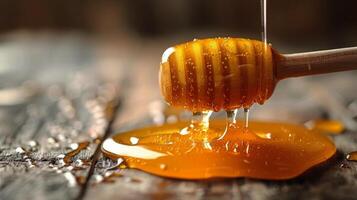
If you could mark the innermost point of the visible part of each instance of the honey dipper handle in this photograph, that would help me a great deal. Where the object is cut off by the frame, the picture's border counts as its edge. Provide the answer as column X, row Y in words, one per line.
column 317, row 62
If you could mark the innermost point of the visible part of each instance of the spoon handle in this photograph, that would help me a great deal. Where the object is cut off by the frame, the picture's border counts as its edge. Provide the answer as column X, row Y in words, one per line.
column 317, row 62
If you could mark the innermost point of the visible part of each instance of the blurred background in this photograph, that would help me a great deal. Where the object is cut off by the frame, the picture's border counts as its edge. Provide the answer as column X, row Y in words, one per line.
column 121, row 41
column 294, row 23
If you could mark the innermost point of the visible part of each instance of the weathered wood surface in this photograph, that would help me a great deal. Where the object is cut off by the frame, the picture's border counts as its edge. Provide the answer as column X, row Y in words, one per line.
column 71, row 98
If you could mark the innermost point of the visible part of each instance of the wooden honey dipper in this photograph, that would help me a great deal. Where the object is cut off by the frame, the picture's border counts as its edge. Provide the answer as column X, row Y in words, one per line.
column 229, row 73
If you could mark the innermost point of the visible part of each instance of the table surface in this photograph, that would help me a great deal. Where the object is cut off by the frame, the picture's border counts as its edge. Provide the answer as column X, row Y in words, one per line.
column 57, row 91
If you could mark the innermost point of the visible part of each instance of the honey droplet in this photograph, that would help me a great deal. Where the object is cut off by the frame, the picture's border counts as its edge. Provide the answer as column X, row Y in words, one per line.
column 76, row 148
column 265, row 150
column 352, row 156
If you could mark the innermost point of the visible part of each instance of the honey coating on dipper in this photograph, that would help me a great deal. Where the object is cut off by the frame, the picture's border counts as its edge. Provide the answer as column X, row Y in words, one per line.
column 218, row 73
column 272, row 151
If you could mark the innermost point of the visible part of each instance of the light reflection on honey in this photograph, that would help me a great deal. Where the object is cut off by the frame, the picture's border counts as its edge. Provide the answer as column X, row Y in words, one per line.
column 326, row 126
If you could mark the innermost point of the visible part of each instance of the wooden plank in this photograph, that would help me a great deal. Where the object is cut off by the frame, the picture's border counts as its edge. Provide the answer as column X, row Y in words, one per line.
column 70, row 105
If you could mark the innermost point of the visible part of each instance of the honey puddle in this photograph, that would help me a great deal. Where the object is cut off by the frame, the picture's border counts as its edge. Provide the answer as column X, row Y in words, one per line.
column 265, row 150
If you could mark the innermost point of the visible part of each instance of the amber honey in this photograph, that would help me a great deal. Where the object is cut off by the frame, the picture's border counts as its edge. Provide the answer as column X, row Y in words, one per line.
column 265, row 151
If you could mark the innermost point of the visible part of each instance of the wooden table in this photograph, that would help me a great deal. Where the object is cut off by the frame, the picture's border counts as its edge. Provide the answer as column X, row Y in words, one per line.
column 61, row 90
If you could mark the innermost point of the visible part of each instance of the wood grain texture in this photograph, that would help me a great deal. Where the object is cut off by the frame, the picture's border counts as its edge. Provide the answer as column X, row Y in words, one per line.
column 62, row 109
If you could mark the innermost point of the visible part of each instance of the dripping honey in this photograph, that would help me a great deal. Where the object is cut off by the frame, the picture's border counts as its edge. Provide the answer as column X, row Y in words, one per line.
column 265, row 150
